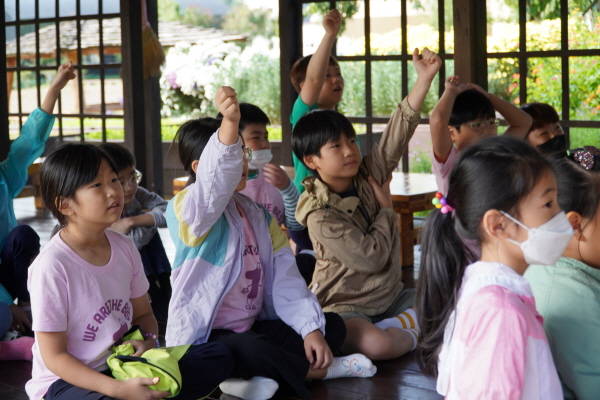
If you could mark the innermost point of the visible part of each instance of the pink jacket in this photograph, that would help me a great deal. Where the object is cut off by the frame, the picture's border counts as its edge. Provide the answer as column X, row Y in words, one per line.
column 494, row 344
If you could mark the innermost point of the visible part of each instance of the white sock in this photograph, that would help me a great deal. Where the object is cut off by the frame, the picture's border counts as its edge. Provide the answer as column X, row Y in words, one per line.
column 414, row 334
column 352, row 366
column 257, row 388
column 406, row 320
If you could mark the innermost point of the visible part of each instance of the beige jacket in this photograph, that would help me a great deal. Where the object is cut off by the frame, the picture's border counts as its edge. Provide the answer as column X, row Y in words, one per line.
column 356, row 242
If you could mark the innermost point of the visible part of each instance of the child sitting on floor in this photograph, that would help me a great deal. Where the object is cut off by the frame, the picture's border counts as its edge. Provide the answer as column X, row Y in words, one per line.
column 464, row 115
column 270, row 186
column 235, row 280
column 480, row 332
column 19, row 244
column 567, row 292
column 352, row 225
column 88, row 288
column 545, row 133
column 143, row 214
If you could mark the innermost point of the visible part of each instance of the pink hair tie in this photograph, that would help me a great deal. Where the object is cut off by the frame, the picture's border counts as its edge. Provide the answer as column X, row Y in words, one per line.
column 440, row 201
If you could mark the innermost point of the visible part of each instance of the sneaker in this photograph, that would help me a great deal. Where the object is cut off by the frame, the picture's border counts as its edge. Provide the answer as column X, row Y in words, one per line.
column 10, row 335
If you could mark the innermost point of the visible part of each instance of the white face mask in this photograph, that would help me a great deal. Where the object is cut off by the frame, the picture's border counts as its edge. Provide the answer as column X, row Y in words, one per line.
column 546, row 243
column 260, row 158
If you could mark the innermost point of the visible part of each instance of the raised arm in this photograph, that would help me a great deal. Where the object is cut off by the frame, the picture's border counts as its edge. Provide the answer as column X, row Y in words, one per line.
column 227, row 103
column 317, row 67
column 64, row 74
column 440, row 118
column 518, row 120
column 427, row 67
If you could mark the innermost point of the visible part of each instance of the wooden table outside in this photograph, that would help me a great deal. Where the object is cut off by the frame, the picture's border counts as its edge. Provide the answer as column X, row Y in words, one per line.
column 411, row 192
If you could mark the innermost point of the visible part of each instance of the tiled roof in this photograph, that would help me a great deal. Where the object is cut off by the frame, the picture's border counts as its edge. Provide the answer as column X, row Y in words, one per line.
column 170, row 33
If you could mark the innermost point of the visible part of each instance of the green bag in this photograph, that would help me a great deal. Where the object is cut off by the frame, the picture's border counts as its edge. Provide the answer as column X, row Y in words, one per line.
column 162, row 362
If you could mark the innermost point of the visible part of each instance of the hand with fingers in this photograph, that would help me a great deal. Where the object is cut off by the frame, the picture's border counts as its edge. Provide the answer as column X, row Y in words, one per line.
column 276, row 176
column 427, row 64
column 227, row 103
column 332, row 22
column 317, row 350
column 453, row 85
column 137, row 389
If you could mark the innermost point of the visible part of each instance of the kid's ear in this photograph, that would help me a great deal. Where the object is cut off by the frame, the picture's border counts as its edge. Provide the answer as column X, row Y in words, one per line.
column 64, row 206
column 453, row 133
column 575, row 219
column 301, row 85
column 195, row 165
column 310, row 162
column 494, row 224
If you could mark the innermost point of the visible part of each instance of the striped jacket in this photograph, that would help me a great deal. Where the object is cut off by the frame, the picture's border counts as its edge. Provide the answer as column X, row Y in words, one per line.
column 208, row 235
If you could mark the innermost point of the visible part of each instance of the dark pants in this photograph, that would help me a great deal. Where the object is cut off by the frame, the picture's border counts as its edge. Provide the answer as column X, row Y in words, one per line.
column 202, row 368
column 21, row 247
column 158, row 270
column 274, row 350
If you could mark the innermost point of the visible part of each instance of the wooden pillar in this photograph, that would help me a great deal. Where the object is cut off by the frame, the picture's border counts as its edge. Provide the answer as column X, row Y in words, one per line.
column 470, row 44
column 290, row 45
column 141, row 100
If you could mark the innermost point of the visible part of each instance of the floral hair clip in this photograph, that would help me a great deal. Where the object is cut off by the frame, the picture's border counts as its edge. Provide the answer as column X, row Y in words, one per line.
column 440, row 201
column 585, row 156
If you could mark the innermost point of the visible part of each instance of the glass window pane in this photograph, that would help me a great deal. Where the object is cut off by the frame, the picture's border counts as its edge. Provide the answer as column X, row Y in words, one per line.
column 68, row 8
column 70, row 96
column 351, row 40
column 89, row 7
column 584, row 85
column 10, row 11
column 91, row 91
column 111, row 38
column 353, row 101
column 90, row 42
column 26, row 9
column 419, row 150
column 47, row 9
column 543, row 27
column 423, row 26
column 110, row 6
column 13, row 127
column 113, row 94
column 386, row 35
column 502, row 26
column 93, row 129
column 386, row 87
column 584, row 29
column 544, row 83
column 115, row 129
column 71, row 128
column 28, row 45
column 48, row 44
column 503, row 78
column 13, row 103
column 449, row 26
column 28, row 91
column 580, row 137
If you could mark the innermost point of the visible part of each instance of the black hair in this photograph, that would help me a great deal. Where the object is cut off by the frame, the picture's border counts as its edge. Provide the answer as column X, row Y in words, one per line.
column 513, row 168
column 541, row 113
column 315, row 129
column 65, row 170
column 193, row 136
column 578, row 187
column 298, row 71
column 250, row 114
column 470, row 105
column 120, row 156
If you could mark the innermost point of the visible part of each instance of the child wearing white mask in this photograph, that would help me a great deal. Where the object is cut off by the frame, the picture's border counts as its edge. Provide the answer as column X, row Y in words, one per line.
column 270, row 186
column 481, row 335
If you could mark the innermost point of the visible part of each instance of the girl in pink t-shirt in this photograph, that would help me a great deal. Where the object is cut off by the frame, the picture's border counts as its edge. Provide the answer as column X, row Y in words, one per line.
column 480, row 332
column 88, row 288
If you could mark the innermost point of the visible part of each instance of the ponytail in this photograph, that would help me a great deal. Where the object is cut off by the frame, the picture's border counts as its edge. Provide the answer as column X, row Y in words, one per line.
column 446, row 258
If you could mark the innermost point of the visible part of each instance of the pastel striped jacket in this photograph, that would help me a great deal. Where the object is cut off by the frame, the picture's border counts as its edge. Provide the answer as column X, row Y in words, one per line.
column 494, row 344
column 208, row 235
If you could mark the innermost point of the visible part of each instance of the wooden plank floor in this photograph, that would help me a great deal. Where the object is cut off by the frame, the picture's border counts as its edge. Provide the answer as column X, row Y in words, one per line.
column 398, row 379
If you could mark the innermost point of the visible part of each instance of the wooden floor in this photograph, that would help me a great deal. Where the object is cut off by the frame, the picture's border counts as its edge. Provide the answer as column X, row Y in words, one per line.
column 398, row 379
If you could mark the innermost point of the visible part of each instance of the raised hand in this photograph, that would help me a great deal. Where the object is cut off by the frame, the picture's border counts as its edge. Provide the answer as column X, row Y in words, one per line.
column 428, row 65
column 453, row 85
column 332, row 22
column 227, row 103
column 276, row 176
column 64, row 74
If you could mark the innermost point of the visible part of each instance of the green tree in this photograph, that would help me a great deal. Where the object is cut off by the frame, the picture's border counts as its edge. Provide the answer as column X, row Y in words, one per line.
column 197, row 16
column 538, row 10
column 168, row 10
column 258, row 22
column 346, row 8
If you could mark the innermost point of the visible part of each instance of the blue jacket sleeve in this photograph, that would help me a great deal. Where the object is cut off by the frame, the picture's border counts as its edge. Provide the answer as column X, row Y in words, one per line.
column 25, row 149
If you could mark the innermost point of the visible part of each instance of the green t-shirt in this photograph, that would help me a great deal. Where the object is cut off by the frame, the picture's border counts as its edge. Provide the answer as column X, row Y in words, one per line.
column 300, row 171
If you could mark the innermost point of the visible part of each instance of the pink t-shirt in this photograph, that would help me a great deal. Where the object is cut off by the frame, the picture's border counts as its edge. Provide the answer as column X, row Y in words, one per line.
column 243, row 302
column 442, row 170
column 266, row 195
column 90, row 303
